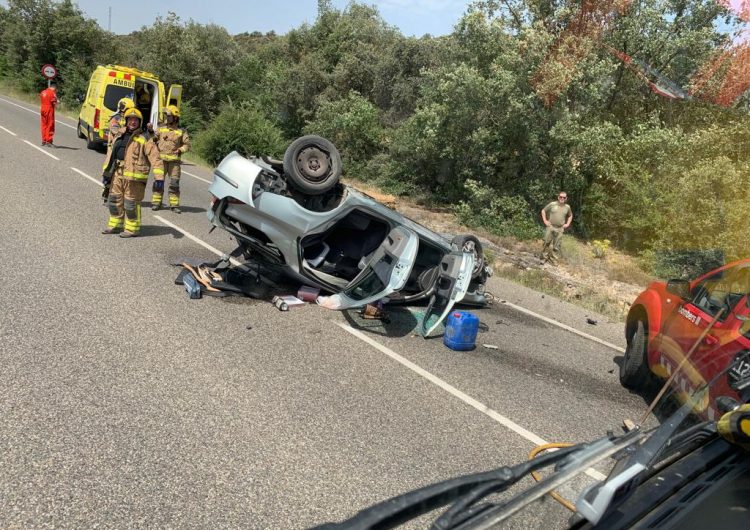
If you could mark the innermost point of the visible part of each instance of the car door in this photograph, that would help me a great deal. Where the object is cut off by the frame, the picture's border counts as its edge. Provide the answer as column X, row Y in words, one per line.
column 450, row 288
column 386, row 271
column 717, row 295
column 174, row 96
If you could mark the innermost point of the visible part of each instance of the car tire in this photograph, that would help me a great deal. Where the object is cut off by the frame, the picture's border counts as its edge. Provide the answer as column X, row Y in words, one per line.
column 90, row 141
column 634, row 371
column 312, row 164
column 80, row 134
column 470, row 243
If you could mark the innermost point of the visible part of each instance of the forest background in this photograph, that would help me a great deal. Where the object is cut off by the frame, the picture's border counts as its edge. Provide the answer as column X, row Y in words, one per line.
column 522, row 99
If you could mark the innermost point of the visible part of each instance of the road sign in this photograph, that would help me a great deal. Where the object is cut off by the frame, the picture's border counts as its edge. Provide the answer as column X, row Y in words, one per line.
column 49, row 71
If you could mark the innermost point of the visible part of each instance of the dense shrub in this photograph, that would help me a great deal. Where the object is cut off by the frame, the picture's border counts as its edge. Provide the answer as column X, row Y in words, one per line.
column 504, row 215
column 353, row 125
column 242, row 128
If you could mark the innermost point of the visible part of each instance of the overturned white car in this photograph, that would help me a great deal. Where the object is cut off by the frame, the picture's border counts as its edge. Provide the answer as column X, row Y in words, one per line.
column 295, row 214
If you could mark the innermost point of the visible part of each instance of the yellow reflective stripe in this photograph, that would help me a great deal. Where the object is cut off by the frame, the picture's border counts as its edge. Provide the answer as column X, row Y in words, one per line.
column 177, row 132
column 158, row 171
column 169, row 157
column 136, row 176
column 140, row 140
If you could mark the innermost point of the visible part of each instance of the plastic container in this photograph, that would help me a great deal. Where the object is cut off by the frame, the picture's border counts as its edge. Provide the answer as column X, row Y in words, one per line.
column 461, row 330
column 192, row 286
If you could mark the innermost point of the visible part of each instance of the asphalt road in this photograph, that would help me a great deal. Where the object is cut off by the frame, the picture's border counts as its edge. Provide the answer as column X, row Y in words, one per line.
column 125, row 404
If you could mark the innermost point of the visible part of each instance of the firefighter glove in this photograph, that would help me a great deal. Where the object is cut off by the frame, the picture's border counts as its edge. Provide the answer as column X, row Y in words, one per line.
column 106, row 180
column 158, row 185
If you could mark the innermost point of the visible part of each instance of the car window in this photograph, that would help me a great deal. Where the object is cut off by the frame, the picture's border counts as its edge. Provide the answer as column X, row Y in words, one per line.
column 368, row 286
column 722, row 290
column 114, row 94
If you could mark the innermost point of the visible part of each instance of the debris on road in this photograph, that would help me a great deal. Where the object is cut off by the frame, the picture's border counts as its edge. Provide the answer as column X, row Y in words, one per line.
column 191, row 286
column 221, row 279
column 374, row 312
column 591, row 321
column 491, row 346
column 286, row 302
column 461, row 330
column 308, row 294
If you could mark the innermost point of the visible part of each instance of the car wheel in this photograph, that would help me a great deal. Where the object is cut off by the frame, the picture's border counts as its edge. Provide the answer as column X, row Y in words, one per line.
column 634, row 371
column 80, row 134
column 90, row 141
column 469, row 243
column 312, row 164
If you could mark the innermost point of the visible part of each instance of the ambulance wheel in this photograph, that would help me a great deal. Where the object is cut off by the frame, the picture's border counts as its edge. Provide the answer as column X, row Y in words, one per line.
column 80, row 134
column 91, row 141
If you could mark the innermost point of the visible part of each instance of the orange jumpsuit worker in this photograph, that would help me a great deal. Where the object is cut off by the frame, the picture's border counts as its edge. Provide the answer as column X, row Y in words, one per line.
column 48, row 97
column 129, row 161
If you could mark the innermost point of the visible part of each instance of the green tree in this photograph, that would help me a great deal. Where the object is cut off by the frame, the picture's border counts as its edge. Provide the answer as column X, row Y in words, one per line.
column 242, row 128
column 194, row 55
column 353, row 125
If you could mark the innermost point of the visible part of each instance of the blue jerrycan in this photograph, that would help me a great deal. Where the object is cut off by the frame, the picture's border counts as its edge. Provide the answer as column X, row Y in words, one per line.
column 461, row 330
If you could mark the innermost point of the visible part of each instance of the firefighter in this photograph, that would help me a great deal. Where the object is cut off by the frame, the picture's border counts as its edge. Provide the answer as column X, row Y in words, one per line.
column 48, row 98
column 117, row 119
column 173, row 141
column 115, row 124
column 127, row 166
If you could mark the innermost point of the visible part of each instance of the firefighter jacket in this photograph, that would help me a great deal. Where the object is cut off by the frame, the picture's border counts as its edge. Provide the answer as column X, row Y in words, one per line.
column 173, row 142
column 141, row 156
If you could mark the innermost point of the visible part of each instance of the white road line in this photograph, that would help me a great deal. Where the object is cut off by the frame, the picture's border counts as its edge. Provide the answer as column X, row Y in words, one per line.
column 564, row 326
column 35, row 112
column 8, row 131
column 197, row 177
column 41, row 150
column 481, row 407
column 92, row 179
column 197, row 240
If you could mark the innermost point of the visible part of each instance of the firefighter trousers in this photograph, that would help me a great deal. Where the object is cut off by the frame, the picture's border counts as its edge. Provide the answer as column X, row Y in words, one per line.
column 173, row 172
column 124, row 202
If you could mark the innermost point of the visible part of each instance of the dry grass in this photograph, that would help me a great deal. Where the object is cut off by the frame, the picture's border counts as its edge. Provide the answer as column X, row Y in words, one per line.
column 626, row 270
column 611, row 307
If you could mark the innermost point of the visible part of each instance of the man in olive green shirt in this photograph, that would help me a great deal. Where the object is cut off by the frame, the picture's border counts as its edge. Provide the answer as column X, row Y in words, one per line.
column 556, row 216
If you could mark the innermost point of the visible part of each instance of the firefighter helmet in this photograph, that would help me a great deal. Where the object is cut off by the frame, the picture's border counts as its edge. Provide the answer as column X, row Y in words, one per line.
column 172, row 110
column 125, row 104
column 133, row 113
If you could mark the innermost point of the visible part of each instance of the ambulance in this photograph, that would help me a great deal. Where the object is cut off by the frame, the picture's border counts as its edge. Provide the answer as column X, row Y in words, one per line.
column 108, row 85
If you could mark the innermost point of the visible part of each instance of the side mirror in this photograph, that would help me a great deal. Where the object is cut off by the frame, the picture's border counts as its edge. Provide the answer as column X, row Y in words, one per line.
column 679, row 288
